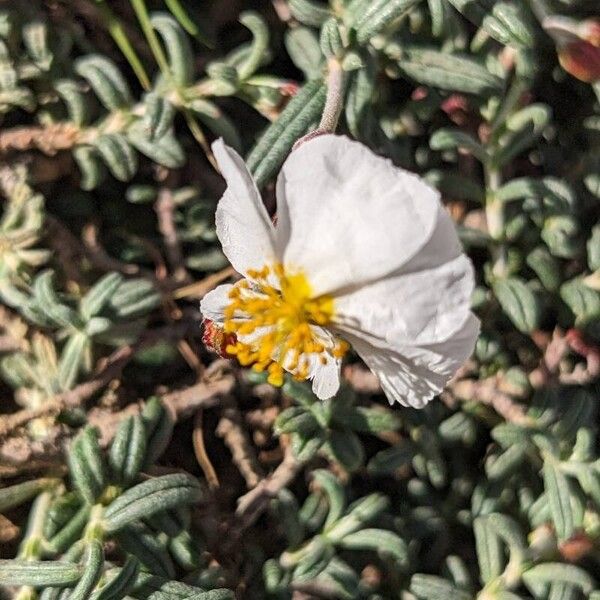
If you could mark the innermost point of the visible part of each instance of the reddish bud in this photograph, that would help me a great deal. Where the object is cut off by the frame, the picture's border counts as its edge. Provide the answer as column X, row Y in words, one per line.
column 578, row 44
column 576, row 547
column 215, row 338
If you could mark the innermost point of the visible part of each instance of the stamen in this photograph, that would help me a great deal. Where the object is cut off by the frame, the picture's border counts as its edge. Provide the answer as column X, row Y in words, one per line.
column 276, row 310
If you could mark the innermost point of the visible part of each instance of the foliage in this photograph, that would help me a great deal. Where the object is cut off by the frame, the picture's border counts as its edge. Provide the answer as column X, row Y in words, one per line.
column 107, row 242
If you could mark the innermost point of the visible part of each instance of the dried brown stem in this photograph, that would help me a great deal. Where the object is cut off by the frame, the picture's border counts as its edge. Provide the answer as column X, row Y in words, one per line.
column 487, row 392
column 231, row 429
column 251, row 505
column 165, row 211
column 49, row 139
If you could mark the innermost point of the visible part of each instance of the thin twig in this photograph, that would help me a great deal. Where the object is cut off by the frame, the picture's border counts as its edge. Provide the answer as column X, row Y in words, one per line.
column 231, row 429
column 200, row 451
column 251, row 505
column 165, row 212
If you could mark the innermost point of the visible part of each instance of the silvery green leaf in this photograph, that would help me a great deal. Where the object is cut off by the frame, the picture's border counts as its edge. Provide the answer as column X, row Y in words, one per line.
column 38, row 573
column 106, row 80
column 149, row 497
column 73, row 97
column 559, row 499
column 334, row 492
column 445, row 71
column 91, row 166
column 381, row 541
column 273, row 146
column 177, row 45
column 158, row 115
column 379, row 15
column 119, row 585
column 582, row 300
column 431, row 587
column 302, row 44
column 310, row 12
column 260, row 43
column 93, row 563
column 97, row 296
column 449, row 139
column 519, row 303
column 559, row 572
column 148, row 548
column 118, row 155
column 128, row 450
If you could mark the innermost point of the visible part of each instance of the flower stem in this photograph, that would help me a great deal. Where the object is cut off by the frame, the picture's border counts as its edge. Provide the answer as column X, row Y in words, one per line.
column 335, row 97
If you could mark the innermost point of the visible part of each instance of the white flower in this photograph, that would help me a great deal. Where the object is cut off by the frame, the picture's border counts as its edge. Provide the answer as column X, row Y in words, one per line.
column 363, row 254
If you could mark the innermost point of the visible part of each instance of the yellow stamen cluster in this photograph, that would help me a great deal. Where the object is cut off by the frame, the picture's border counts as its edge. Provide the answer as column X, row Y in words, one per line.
column 276, row 310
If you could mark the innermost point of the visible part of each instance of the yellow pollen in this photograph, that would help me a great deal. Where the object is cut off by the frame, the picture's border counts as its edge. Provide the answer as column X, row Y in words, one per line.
column 276, row 310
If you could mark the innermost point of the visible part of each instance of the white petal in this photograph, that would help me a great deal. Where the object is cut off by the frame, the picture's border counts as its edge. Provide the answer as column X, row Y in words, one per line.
column 243, row 225
column 414, row 375
column 350, row 215
column 410, row 308
column 326, row 379
column 212, row 305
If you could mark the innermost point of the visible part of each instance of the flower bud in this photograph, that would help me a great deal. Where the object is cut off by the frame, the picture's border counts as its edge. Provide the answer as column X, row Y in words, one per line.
column 578, row 44
column 215, row 338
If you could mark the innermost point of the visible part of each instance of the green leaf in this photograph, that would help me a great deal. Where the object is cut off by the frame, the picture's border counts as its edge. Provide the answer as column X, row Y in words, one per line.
column 276, row 142
column 359, row 97
column 381, row 541
column 582, row 300
column 166, row 151
column 546, row 267
column 93, row 564
column 489, row 550
column 450, row 139
column 38, row 574
column 14, row 495
column 387, row 461
column 559, row 499
column 359, row 513
column 133, row 298
column 309, row 12
column 158, row 116
column 445, row 71
column 158, row 423
column 379, row 15
column 260, row 44
column 454, row 185
column 519, row 303
column 128, row 450
column 334, row 492
column 148, row 548
column 303, row 47
column 346, row 448
column 430, row 587
column 86, row 465
column 593, row 249
column 106, row 81
column 561, row 573
column 98, row 295
column 177, row 45
column 118, row 155
column 149, row 497
column 72, row 359
column 123, row 581
column 76, row 102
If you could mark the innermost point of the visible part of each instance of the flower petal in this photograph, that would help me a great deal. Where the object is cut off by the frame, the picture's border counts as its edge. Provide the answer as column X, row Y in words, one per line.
column 414, row 375
column 212, row 305
column 326, row 379
column 410, row 308
column 347, row 216
column 243, row 225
